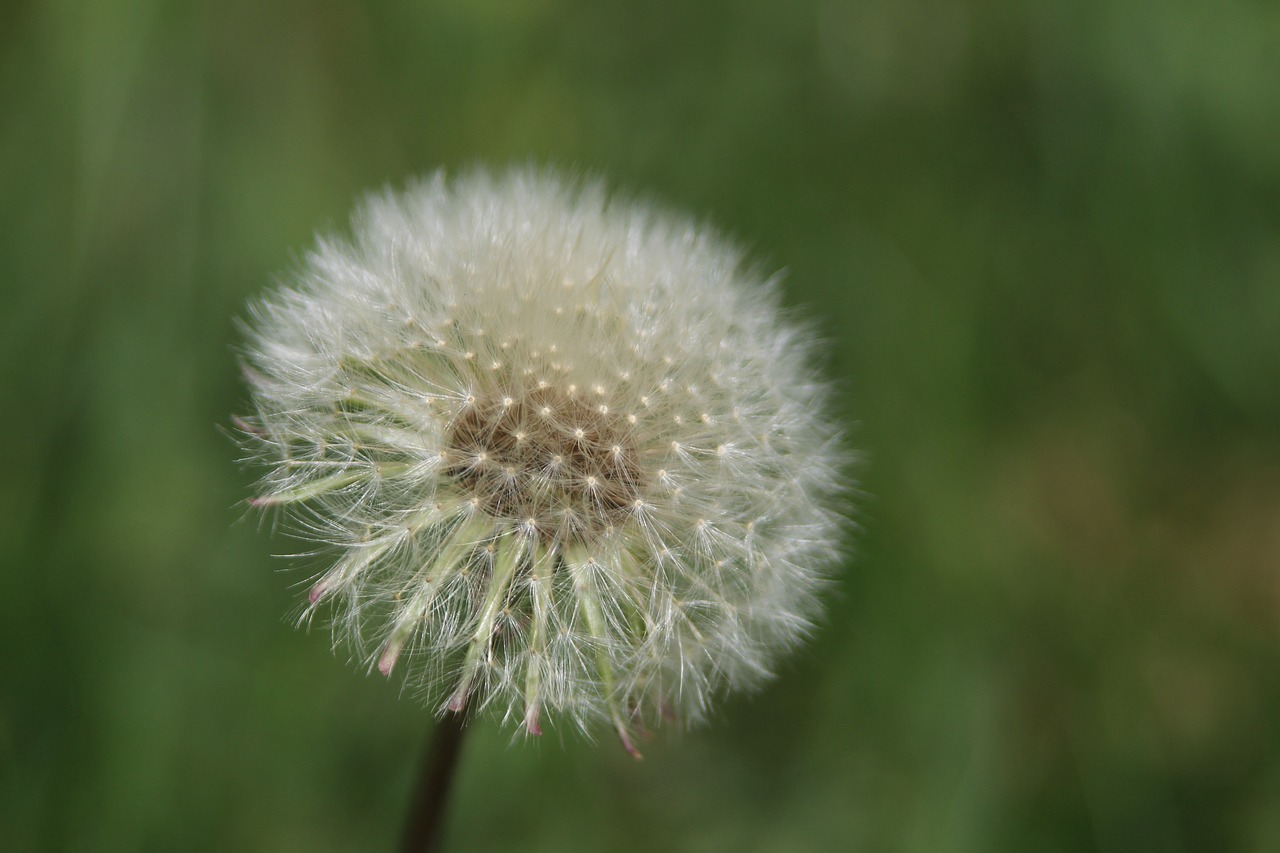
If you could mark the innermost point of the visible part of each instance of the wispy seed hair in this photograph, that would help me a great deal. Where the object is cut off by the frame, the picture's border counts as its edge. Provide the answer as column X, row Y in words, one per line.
column 571, row 459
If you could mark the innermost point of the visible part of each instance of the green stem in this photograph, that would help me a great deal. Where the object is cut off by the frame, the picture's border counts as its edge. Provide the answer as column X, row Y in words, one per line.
column 543, row 568
column 507, row 553
column 595, row 624
column 455, row 552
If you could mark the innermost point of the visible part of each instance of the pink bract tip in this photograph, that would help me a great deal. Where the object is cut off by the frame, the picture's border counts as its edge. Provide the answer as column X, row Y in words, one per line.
column 628, row 745
column 389, row 657
column 244, row 426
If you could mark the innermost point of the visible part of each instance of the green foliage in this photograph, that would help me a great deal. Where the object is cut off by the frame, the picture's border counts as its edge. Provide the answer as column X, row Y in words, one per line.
column 1044, row 239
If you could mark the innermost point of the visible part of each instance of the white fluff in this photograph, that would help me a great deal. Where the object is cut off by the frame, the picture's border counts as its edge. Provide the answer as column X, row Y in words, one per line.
column 572, row 460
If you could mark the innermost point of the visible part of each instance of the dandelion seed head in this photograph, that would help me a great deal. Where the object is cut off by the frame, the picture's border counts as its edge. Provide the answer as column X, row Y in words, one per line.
column 572, row 461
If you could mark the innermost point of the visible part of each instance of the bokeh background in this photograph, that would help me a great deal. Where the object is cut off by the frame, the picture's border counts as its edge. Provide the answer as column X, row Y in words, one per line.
column 1043, row 239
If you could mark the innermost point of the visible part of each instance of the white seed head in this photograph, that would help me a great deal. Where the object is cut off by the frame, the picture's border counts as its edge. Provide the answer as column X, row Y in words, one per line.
column 505, row 527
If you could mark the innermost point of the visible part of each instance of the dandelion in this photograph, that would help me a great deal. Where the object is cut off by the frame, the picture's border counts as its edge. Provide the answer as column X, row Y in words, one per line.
column 571, row 461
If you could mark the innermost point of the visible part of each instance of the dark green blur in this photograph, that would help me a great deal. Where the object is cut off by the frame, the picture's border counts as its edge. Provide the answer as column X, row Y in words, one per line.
column 1042, row 238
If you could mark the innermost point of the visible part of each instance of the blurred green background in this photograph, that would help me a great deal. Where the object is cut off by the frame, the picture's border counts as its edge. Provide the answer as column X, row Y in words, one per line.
column 1043, row 238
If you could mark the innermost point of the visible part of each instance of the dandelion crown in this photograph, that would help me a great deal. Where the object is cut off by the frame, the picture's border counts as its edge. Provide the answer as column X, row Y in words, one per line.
column 570, row 460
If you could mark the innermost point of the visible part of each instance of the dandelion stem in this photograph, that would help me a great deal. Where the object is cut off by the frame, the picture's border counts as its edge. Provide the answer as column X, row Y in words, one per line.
column 424, row 821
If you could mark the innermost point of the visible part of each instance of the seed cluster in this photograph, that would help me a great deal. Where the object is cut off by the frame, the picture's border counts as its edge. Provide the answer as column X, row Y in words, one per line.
column 573, row 463
column 548, row 461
